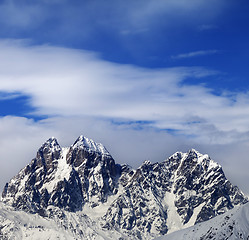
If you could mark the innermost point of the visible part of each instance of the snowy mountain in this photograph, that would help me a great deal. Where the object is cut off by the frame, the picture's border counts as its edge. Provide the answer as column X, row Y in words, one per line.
column 81, row 187
column 231, row 225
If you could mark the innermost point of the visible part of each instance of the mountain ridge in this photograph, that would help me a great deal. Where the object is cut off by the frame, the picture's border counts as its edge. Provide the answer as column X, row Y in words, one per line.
column 152, row 200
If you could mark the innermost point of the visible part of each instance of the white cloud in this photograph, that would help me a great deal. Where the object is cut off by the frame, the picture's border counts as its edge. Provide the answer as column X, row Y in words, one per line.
column 67, row 82
column 82, row 94
column 195, row 54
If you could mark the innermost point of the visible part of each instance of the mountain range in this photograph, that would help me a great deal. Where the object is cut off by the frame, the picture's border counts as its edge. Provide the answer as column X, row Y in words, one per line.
column 80, row 192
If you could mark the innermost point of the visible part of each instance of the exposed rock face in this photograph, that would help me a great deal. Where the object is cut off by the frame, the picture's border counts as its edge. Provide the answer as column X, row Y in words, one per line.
column 66, row 178
column 153, row 200
column 184, row 189
column 96, row 169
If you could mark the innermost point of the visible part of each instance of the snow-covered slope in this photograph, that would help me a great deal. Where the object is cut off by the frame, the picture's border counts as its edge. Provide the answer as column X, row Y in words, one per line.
column 60, row 225
column 231, row 225
column 153, row 200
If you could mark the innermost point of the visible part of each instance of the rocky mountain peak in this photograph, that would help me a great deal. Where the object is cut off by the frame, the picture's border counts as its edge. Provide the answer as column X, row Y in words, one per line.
column 192, row 158
column 46, row 157
column 51, row 143
column 51, row 146
column 89, row 145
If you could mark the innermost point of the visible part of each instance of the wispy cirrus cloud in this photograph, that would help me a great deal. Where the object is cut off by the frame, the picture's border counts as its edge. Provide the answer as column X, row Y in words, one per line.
column 9, row 95
column 67, row 18
column 195, row 54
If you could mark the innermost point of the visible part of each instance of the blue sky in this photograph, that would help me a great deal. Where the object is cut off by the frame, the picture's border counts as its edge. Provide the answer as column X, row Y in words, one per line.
column 145, row 78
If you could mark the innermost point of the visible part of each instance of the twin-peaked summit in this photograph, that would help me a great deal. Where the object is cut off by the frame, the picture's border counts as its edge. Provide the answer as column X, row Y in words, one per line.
column 150, row 201
column 64, row 177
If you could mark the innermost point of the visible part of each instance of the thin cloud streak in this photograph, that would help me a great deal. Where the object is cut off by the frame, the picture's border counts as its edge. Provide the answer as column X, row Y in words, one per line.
column 195, row 54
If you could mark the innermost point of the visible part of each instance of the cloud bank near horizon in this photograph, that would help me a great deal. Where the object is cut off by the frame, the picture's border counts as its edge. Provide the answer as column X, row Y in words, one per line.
column 21, row 138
